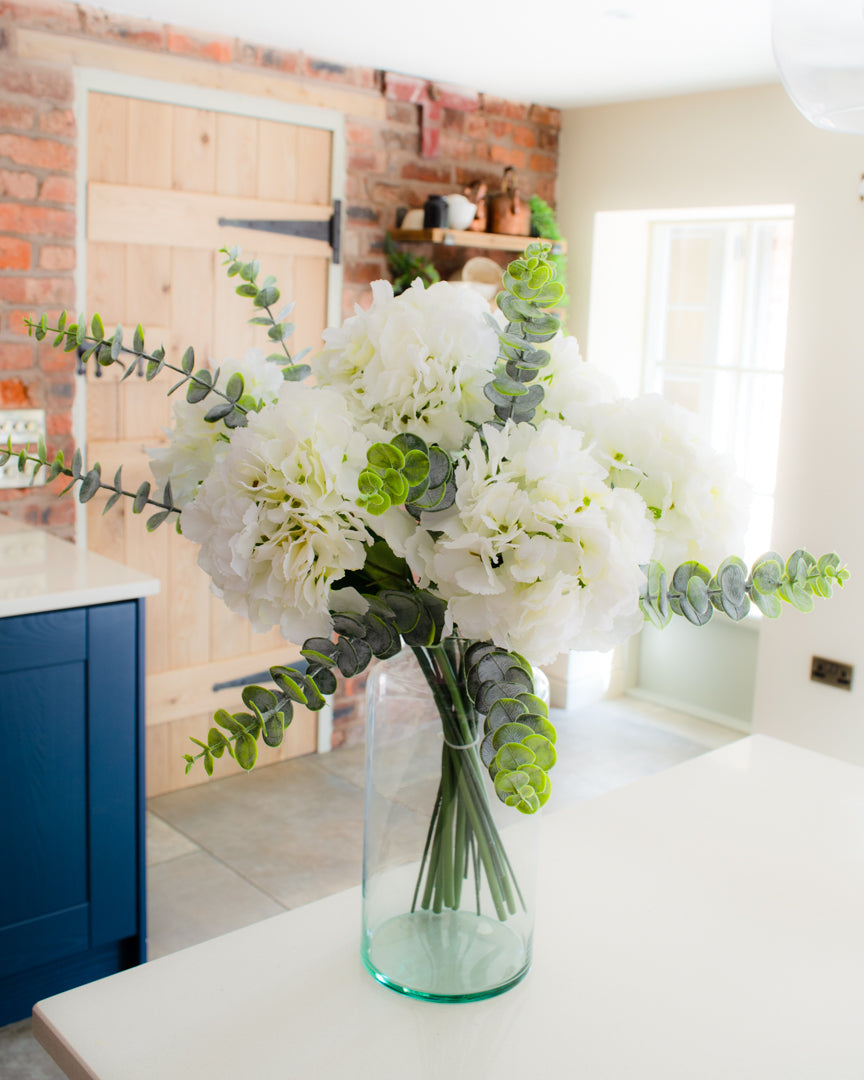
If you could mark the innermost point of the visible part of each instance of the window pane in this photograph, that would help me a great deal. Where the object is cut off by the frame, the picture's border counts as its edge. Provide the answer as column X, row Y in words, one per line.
column 689, row 267
column 686, row 339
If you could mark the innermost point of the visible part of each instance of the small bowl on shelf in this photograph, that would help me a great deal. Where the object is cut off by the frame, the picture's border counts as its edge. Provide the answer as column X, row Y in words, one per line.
column 460, row 211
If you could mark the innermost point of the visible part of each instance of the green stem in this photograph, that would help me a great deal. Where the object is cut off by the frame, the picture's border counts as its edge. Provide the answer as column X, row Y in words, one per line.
column 464, row 811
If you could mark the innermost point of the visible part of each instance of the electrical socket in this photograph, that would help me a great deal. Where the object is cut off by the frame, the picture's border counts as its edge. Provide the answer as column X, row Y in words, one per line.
column 23, row 427
column 831, row 673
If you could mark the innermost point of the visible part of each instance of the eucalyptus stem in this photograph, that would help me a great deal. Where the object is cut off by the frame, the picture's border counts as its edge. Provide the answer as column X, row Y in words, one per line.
column 462, row 829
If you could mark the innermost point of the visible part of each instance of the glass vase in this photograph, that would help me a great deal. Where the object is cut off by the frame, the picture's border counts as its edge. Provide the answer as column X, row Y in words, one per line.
column 448, row 869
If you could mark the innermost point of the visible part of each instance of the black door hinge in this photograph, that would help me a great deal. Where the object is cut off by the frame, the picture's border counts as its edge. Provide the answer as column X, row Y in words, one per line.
column 328, row 231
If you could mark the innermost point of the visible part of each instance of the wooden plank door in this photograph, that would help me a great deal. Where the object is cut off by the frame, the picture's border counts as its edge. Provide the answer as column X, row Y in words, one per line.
column 159, row 178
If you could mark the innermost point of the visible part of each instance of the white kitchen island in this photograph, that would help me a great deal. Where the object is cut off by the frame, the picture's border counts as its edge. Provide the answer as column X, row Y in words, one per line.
column 706, row 923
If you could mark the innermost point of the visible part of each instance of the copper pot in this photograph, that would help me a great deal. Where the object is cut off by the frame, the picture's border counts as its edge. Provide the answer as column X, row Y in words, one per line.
column 476, row 192
column 509, row 213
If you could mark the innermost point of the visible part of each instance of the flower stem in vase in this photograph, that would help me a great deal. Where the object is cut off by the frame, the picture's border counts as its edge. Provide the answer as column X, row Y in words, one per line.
column 462, row 832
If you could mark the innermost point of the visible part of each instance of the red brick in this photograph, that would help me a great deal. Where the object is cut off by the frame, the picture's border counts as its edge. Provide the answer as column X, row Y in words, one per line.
column 18, row 117
column 367, row 161
column 36, row 220
column 58, row 423
column 46, row 16
column 542, row 163
column 15, row 322
column 400, row 140
column 476, row 125
column 359, row 134
column 394, row 195
column 456, row 148
column 15, row 394
column 453, row 121
column 496, row 106
column 468, row 176
column 275, row 59
column 355, row 187
column 315, row 68
column 43, row 153
column 362, row 215
column 37, row 290
column 50, row 359
column 16, row 357
column 524, row 136
column 363, row 273
column 46, row 83
column 541, row 115
column 506, row 155
column 428, row 174
column 18, row 185
column 545, row 188
column 60, row 391
column 500, row 128
column 56, row 258
column 58, row 189
column 14, row 254
column 219, row 49
column 547, row 139
column 58, row 122
column 142, row 33
column 401, row 112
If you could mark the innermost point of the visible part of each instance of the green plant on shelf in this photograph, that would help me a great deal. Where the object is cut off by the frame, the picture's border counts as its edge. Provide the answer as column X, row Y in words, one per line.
column 406, row 266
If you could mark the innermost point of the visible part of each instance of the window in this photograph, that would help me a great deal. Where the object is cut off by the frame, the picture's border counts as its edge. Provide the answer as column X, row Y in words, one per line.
column 716, row 306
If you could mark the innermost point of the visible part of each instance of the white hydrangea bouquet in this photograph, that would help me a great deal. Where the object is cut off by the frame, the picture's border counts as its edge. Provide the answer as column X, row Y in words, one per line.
column 463, row 485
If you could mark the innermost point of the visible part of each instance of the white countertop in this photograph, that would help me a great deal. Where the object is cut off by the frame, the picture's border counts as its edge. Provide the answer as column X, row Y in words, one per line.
column 702, row 924
column 39, row 572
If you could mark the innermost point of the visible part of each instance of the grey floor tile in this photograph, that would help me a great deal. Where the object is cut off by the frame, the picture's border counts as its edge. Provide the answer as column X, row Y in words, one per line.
column 608, row 745
column 164, row 842
column 22, row 1058
column 194, row 898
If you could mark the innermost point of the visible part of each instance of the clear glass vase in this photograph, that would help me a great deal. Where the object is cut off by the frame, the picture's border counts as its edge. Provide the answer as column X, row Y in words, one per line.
column 448, row 869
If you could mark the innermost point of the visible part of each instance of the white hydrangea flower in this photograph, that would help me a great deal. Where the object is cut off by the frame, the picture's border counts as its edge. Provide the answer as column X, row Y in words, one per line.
column 538, row 553
column 276, row 517
column 414, row 363
column 655, row 448
column 573, row 387
column 195, row 445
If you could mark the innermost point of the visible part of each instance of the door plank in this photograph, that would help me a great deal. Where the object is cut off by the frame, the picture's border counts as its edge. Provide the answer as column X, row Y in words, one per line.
column 194, row 165
column 236, row 155
column 150, row 141
column 313, row 180
column 277, row 161
column 107, row 135
column 140, row 215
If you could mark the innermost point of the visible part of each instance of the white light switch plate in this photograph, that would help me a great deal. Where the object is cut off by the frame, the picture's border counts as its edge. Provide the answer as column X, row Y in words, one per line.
column 24, row 427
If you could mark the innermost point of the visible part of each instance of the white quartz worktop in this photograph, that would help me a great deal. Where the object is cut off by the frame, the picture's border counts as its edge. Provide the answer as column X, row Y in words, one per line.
column 39, row 572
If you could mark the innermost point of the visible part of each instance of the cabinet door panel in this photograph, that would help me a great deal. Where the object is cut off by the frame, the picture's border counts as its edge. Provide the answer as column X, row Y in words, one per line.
column 43, row 791
column 40, row 941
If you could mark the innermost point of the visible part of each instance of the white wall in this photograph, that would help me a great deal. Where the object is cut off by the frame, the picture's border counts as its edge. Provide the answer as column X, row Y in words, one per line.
column 740, row 148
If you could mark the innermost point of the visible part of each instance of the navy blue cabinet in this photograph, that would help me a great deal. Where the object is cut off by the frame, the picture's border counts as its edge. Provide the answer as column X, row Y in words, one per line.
column 72, row 904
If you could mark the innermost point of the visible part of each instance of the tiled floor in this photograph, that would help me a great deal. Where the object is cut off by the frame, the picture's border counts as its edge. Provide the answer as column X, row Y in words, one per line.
column 247, row 847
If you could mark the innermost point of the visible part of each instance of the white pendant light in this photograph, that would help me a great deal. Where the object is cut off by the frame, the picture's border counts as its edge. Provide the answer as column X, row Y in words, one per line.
column 819, row 50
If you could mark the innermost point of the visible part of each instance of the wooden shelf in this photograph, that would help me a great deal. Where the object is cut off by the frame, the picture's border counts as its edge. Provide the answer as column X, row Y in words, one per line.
column 467, row 238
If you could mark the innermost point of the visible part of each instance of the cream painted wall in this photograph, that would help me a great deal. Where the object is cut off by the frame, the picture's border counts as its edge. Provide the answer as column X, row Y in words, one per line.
column 747, row 147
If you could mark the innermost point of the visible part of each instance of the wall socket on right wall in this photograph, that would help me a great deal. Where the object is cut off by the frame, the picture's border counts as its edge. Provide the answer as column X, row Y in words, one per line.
column 831, row 672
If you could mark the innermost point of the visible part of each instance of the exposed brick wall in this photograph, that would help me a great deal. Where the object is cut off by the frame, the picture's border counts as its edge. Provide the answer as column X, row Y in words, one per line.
column 38, row 153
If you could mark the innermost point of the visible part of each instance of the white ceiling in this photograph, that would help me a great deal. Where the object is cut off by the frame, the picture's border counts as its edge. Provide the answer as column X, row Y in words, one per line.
column 550, row 52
